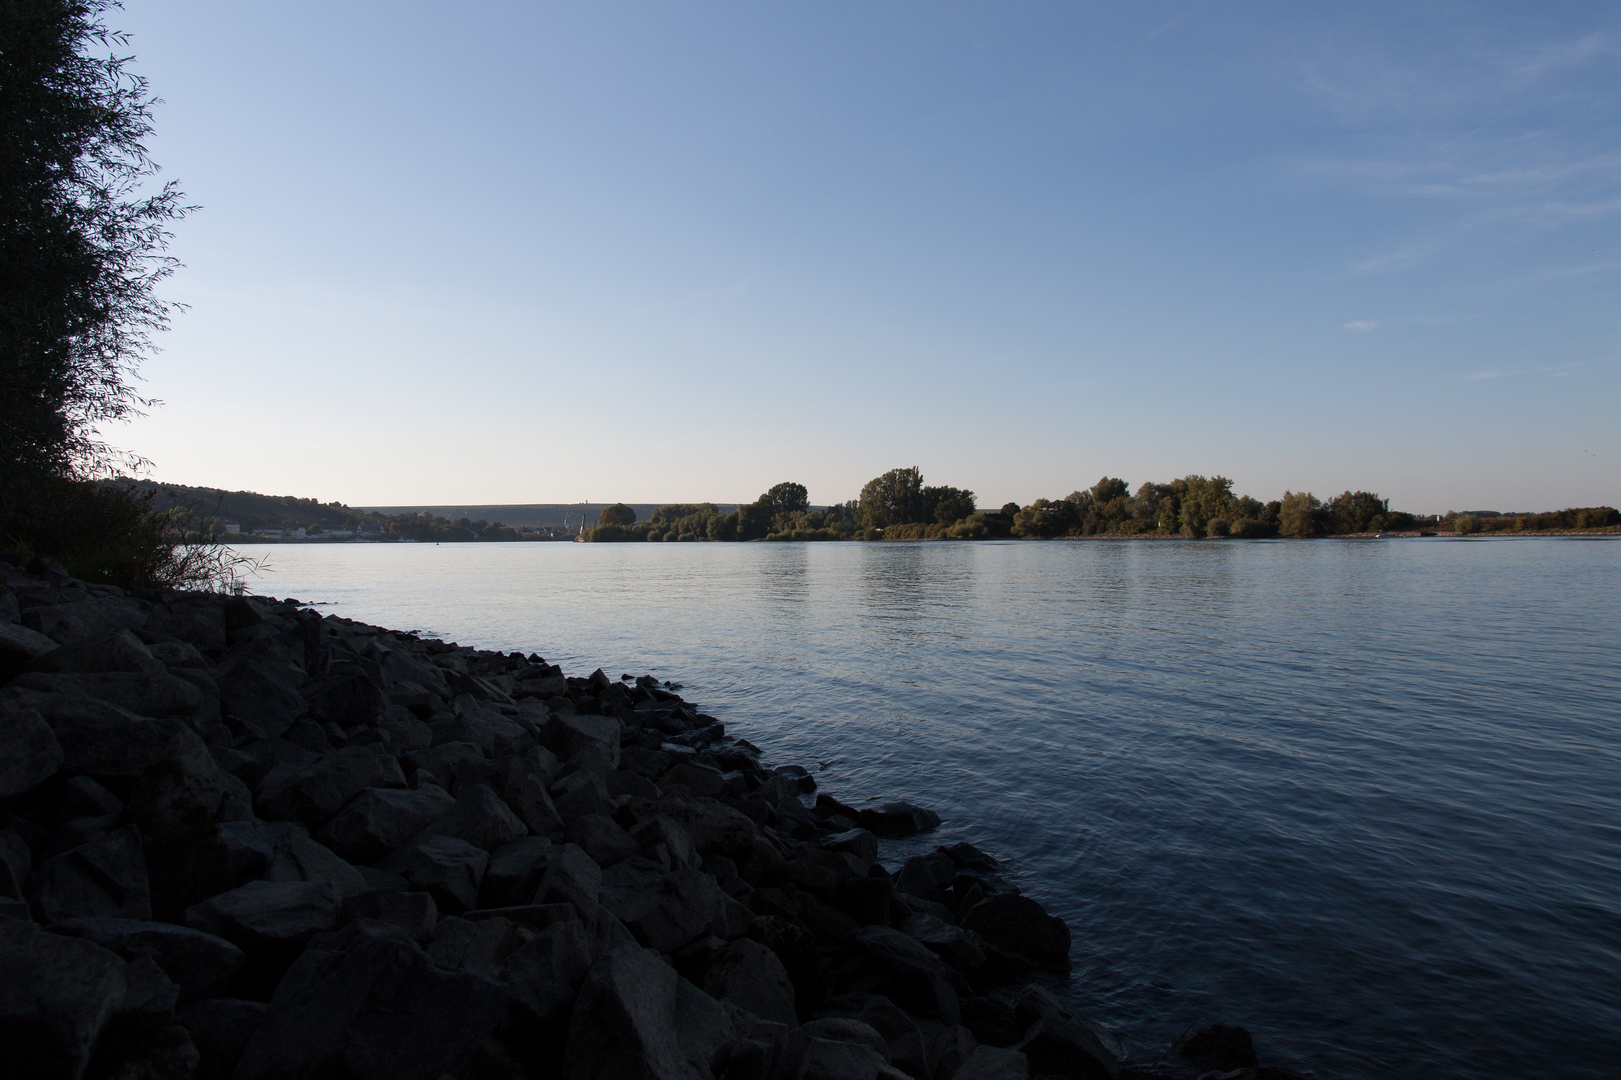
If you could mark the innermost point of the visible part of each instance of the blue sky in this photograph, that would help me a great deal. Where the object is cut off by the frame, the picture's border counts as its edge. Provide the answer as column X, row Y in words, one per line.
column 536, row 252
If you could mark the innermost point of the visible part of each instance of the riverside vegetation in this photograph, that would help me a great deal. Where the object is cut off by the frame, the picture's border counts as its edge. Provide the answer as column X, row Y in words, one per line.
column 899, row 506
column 238, row 839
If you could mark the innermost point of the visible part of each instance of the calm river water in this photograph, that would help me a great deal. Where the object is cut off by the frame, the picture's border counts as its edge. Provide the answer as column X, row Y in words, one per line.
column 1360, row 797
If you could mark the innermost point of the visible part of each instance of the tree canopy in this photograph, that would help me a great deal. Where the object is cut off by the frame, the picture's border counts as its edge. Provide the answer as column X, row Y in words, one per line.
column 786, row 498
column 894, row 498
column 82, row 237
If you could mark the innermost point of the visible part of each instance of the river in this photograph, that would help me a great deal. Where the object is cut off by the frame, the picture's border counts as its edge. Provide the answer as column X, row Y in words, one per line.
column 1359, row 796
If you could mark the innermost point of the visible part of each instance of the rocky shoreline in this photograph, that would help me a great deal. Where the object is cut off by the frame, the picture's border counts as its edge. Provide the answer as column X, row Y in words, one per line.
column 240, row 839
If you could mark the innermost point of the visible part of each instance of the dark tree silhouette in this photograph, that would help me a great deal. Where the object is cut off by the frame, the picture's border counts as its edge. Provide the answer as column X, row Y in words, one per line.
column 786, row 498
column 617, row 514
column 82, row 237
column 894, row 498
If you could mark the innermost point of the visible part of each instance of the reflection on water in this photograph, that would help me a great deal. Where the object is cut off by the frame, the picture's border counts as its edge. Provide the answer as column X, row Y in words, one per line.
column 1361, row 797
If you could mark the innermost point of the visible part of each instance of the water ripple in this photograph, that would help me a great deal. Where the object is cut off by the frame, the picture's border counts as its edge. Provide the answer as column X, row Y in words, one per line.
column 1360, row 797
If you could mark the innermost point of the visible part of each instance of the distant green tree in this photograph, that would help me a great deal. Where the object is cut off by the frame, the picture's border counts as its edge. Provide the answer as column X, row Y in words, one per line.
column 1204, row 500
column 947, row 505
column 1354, row 511
column 617, row 514
column 1045, row 518
column 673, row 512
column 894, row 498
column 1596, row 517
column 786, row 498
column 1155, row 506
column 1300, row 514
column 1108, row 489
column 754, row 521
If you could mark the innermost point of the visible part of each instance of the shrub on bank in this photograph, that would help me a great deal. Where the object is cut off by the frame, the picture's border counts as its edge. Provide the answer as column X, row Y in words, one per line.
column 114, row 534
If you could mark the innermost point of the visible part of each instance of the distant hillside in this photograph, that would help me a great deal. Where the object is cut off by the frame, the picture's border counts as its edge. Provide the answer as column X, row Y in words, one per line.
column 252, row 510
column 518, row 515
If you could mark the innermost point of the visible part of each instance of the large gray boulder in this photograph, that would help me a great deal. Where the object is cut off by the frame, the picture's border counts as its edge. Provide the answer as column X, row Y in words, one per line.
column 858, row 842
column 715, row 828
column 922, row 981
column 666, row 841
column 481, row 947
column 56, row 995
column 298, row 858
column 897, row 819
column 566, row 734
column 29, row 752
column 414, row 914
column 82, row 620
column 270, row 921
column 126, row 746
column 579, row 795
column 157, row 695
column 544, row 977
column 958, row 947
column 480, row 818
column 1019, row 925
column 838, row 1048
column 1060, row 1042
column 16, row 863
column 491, row 732
column 446, row 760
column 198, row 621
column 635, row 1017
column 19, row 646
column 750, row 975
column 927, row 876
column 105, row 876
column 220, row 1029
column 446, row 868
column 315, row 792
column 574, row 878
column 514, row 872
column 664, row 909
column 349, row 696
column 396, row 667
column 118, row 651
column 200, row 964
column 378, row 820
column 367, row 1004
column 262, row 696
column 831, row 1059
column 994, row 1063
column 600, row 837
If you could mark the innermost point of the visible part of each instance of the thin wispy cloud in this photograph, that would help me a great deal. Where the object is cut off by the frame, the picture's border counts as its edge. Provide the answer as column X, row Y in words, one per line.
column 1361, row 326
column 1568, row 54
column 1557, row 272
column 682, row 439
column 1557, row 371
column 1475, row 169
column 1400, row 259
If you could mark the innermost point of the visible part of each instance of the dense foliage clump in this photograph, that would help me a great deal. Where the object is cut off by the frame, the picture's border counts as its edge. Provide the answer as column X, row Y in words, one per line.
column 84, row 231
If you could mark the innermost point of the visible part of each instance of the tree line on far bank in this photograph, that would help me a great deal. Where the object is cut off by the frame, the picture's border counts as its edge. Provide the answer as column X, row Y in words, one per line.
column 899, row 506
